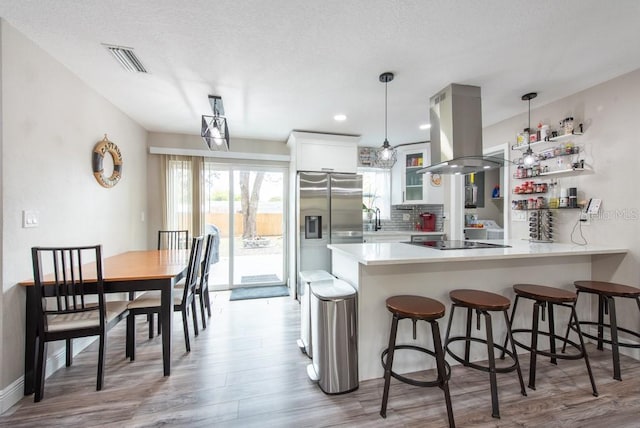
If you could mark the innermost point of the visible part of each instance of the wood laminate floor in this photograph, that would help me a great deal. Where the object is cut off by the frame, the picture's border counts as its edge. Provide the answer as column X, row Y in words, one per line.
column 245, row 370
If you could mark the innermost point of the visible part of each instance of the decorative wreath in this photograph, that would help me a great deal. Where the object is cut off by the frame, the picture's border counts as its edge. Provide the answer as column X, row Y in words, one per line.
column 103, row 147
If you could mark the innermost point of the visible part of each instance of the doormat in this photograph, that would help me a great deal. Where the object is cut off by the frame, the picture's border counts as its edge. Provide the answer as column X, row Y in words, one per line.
column 252, row 279
column 246, row 293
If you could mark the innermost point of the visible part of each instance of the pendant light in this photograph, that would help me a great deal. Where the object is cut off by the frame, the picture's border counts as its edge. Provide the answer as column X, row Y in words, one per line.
column 529, row 158
column 215, row 131
column 385, row 155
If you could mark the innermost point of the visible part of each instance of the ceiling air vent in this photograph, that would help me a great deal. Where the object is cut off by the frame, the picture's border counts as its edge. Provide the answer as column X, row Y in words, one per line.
column 126, row 57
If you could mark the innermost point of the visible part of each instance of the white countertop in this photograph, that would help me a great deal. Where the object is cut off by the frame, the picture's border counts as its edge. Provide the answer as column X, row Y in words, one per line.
column 400, row 253
column 399, row 232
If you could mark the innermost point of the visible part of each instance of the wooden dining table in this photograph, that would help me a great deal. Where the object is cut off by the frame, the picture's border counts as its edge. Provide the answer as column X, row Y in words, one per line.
column 123, row 273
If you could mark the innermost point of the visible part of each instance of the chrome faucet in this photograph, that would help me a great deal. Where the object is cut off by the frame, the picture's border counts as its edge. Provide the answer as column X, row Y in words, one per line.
column 377, row 226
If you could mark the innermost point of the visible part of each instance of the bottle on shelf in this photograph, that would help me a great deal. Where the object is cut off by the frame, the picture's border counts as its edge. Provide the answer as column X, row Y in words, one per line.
column 554, row 201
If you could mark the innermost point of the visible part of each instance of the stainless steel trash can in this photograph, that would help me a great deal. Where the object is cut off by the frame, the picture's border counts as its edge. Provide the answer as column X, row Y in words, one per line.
column 305, row 279
column 334, row 336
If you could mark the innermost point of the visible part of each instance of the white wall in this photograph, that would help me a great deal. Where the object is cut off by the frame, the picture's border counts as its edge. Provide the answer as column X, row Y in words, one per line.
column 50, row 122
column 610, row 114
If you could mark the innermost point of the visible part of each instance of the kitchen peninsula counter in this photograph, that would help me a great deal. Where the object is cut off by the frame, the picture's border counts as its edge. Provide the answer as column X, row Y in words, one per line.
column 402, row 253
column 382, row 270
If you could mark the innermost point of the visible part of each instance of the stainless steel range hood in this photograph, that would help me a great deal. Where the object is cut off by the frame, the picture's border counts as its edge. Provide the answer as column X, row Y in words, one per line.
column 456, row 132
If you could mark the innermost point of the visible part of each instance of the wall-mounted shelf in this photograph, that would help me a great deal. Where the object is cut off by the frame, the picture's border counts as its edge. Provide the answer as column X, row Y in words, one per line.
column 562, row 171
column 565, row 137
column 557, row 139
column 558, row 172
column 546, row 208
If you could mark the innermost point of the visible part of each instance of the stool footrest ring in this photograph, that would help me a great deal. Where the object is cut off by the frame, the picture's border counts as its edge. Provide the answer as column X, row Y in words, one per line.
column 465, row 363
column 414, row 382
column 562, row 355
column 605, row 340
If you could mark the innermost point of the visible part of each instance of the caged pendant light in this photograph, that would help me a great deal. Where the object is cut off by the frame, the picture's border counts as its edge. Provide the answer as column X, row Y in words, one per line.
column 385, row 155
column 215, row 131
column 529, row 158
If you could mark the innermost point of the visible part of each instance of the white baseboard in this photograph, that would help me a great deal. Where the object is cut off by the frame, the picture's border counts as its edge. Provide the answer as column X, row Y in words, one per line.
column 13, row 393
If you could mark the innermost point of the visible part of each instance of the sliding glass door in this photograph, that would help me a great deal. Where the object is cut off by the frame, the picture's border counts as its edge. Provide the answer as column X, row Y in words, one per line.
column 245, row 206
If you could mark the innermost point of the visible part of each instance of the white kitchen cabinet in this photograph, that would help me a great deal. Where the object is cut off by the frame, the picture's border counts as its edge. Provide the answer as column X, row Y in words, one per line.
column 323, row 152
column 408, row 187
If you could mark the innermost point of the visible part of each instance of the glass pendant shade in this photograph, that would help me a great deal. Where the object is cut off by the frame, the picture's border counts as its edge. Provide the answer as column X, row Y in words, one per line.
column 385, row 156
column 529, row 158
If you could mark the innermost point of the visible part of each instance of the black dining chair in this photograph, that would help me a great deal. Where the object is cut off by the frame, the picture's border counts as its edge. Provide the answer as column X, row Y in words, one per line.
column 167, row 240
column 65, row 310
column 202, row 287
column 173, row 239
column 149, row 302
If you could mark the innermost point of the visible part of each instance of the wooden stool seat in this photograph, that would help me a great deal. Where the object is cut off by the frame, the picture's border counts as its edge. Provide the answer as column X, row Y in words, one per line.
column 418, row 307
column 481, row 300
column 607, row 288
column 544, row 293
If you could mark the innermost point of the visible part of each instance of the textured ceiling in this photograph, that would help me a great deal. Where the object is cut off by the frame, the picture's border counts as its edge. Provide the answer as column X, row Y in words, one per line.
column 281, row 65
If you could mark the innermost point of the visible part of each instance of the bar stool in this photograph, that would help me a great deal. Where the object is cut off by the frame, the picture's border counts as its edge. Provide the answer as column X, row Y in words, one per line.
column 606, row 291
column 549, row 297
column 484, row 302
column 416, row 308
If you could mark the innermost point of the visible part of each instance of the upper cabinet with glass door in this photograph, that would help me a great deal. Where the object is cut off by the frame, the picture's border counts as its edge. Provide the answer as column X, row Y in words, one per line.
column 409, row 187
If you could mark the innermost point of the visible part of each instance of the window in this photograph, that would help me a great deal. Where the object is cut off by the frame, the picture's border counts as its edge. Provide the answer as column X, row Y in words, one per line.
column 376, row 190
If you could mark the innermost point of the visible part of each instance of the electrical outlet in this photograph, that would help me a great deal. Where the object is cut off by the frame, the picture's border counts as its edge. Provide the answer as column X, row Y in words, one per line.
column 406, row 217
column 30, row 218
column 585, row 218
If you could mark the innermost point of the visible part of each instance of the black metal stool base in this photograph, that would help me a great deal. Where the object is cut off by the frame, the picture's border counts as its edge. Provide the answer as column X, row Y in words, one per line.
column 443, row 368
column 600, row 340
column 480, row 367
column 534, row 331
column 415, row 382
column 491, row 347
column 607, row 305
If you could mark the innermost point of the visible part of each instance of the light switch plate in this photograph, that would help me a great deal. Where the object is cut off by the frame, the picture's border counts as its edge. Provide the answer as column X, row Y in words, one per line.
column 30, row 218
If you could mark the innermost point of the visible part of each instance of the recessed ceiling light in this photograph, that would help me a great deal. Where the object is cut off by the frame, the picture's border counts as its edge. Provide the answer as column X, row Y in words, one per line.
column 425, row 126
column 340, row 117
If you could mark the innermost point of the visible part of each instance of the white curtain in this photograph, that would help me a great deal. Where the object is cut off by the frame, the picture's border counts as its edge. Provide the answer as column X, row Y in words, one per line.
column 181, row 204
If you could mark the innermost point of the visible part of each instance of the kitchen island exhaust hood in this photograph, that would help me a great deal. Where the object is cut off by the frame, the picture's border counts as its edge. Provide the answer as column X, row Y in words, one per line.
column 456, row 132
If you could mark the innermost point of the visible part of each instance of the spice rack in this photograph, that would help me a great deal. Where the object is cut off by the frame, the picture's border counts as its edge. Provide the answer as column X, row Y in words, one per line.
column 541, row 226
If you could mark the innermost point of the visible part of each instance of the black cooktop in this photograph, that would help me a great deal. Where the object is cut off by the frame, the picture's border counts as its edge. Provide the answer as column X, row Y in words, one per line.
column 456, row 245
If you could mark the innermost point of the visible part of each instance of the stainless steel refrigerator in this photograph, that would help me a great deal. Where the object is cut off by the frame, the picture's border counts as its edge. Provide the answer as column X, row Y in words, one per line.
column 329, row 212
